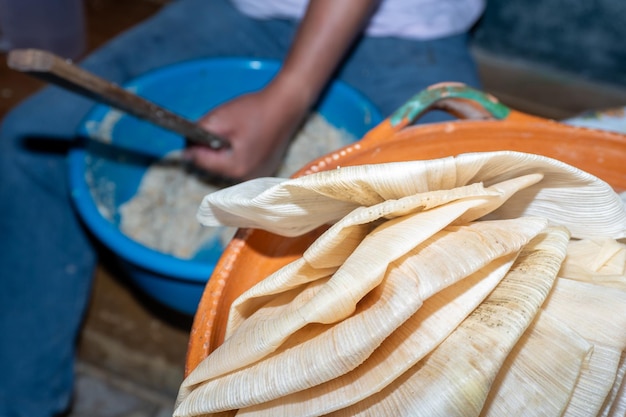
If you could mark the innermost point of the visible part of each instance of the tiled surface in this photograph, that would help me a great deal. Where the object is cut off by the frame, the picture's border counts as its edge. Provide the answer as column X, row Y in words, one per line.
column 131, row 352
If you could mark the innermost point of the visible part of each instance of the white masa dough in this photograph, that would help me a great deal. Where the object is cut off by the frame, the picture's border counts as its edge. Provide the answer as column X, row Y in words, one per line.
column 162, row 215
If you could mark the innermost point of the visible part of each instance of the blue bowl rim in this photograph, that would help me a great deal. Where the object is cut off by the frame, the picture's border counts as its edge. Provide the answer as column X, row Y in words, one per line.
column 123, row 246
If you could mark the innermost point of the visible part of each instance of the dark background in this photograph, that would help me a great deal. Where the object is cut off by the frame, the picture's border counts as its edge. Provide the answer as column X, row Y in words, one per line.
column 584, row 37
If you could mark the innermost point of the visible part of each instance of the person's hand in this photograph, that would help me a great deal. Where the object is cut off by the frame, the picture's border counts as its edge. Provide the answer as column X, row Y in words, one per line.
column 258, row 126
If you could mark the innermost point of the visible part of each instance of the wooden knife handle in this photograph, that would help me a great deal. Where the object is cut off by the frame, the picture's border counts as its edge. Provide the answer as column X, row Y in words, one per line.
column 56, row 70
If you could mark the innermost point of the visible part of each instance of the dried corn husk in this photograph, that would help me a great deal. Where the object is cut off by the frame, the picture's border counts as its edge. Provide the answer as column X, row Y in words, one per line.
column 454, row 380
column 567, row 195
column 421, row 333
column 601, row 261
column 335, row 245
column 336, row 300
column 539, row 375
column 615, row 404
column 311, row 316
column 595, row 383
column 619, row 407
column 327, row 352
column 586, row 308
column 296, row 206
column 439, row 208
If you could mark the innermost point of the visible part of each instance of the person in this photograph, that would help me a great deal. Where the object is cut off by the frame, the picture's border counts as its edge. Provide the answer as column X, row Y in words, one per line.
column 389, row 50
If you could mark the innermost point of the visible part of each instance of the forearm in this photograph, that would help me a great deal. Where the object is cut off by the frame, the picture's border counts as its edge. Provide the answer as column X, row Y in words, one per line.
column 325, row 34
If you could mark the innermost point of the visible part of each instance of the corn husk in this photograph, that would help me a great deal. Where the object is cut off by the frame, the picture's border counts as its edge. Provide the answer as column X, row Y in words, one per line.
column 454, row 380
column 335, row 246
column 326, row 352
column 330, row 332
column 599, row 315
column 586, row 307
column 595, row 383
column 618, row 408
column 420, row 334
column 296, row 206
column 539, row 375
column 567, row 196
column 338, row 298
column 600, row 261
column 615, row 404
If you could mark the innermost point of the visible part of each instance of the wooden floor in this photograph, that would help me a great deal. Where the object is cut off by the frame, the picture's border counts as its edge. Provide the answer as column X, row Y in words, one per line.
column 132, row 350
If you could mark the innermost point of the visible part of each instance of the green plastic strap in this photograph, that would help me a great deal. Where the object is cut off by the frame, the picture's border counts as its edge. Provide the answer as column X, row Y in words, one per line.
column 424, row 100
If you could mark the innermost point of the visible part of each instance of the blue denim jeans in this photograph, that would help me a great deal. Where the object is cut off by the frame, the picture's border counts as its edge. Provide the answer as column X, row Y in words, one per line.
column 47, row 258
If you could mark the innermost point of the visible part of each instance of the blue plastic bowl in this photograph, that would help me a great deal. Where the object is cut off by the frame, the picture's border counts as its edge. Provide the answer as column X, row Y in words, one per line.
column 106, row 175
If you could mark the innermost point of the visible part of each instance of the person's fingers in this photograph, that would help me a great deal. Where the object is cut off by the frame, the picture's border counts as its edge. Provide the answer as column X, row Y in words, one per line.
column 217, row 162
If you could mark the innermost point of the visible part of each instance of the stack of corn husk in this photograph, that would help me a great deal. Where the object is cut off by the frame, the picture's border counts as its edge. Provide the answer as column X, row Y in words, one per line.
column 487, row 284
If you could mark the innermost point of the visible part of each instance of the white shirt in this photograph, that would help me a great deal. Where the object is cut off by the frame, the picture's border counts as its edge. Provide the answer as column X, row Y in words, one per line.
column 412, row 19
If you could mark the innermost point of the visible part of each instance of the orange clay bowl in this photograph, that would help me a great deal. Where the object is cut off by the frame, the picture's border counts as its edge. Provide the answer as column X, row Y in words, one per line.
column 487, row 126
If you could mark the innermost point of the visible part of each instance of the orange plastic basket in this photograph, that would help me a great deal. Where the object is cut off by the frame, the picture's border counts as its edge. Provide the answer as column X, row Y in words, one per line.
column 486, row 125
